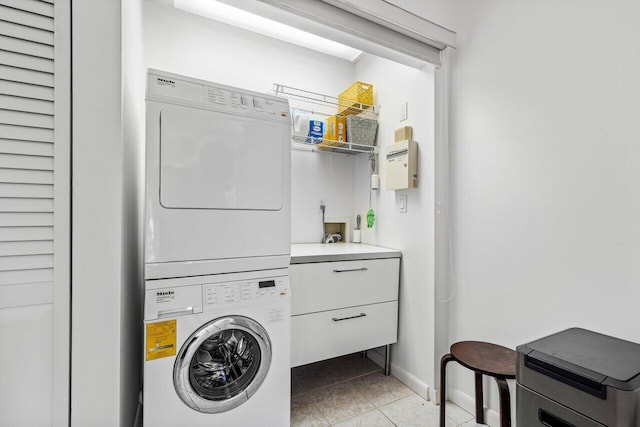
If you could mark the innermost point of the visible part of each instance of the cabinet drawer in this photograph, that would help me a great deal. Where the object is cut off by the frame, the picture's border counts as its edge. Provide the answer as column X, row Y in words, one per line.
column 536, row 410
column 320, row 336
column 331, row 285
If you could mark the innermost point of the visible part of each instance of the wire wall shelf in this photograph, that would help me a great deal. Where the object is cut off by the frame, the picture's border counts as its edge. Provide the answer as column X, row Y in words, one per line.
column 325, row 105
column 303, row 143
column 317, row 103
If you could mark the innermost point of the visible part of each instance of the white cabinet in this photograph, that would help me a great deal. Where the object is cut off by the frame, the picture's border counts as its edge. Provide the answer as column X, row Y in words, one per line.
column 342, row 306
column 327, row 334
column 328, row 285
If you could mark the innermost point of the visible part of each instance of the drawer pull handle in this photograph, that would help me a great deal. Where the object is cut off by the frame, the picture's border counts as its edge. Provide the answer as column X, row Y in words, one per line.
column 351, row 269
column 551, row 420
column 335, row 319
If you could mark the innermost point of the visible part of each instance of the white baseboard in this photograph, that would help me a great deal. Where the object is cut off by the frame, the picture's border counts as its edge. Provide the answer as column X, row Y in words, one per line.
column 434, row 396
column 468, row 403
column 420, row 387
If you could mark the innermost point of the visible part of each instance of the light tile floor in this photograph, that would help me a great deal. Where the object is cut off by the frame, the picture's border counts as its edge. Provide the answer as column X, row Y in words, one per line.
column 352, row 391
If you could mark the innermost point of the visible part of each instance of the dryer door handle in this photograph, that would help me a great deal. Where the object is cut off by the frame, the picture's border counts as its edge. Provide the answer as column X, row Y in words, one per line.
column 175, row 313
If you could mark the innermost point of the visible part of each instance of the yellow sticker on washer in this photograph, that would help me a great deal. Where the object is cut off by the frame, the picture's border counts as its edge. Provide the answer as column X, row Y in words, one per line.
column 161, row 339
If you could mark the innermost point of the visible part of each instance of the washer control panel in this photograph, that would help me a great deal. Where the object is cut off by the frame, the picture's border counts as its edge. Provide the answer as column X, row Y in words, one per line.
column 172, row 302
column 177, row 301
column 267, row 289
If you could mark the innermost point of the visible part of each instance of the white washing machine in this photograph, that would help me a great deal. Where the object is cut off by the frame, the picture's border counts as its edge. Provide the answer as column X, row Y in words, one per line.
column 217, row 350
column 218, row 178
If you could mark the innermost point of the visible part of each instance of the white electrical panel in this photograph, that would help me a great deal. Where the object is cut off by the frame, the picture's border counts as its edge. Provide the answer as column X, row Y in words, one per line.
column 402, row 165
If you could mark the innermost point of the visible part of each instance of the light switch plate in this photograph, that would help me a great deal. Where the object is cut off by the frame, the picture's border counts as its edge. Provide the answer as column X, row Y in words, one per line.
column 402, row 203
column 404, row 114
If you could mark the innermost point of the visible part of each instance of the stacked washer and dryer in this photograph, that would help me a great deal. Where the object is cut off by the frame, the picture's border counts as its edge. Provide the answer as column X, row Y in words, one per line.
column 217, row 250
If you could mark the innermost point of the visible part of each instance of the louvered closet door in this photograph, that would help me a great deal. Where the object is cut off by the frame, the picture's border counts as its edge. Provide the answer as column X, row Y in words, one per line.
column 34, row 211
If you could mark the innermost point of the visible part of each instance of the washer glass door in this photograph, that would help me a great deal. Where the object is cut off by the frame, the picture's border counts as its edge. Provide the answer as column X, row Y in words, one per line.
column 222, row 364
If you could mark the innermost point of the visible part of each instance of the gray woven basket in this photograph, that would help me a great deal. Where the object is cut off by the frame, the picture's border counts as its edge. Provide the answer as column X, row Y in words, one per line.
column 361, row 131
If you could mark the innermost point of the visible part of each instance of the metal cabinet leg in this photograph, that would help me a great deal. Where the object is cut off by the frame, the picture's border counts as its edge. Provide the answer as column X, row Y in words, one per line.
column 505, row 403
column 387, row 360
column 443, row 386
column 479, row 400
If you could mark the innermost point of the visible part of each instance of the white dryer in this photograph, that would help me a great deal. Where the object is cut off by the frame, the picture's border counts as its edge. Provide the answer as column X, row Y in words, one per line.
column 218, row 180
column 217, row 350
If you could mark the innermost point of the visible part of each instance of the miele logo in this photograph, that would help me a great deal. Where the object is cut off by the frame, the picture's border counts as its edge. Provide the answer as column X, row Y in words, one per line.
column 164, row 82
column 163, row 293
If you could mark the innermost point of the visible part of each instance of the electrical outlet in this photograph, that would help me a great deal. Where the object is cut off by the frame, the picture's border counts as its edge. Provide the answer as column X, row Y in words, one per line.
column 404, row 111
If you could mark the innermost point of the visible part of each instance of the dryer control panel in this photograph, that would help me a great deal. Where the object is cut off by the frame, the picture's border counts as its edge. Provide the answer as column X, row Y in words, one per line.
column 164, row 86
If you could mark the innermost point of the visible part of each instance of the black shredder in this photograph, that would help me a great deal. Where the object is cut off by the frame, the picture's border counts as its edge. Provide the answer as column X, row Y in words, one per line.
column 578, row 378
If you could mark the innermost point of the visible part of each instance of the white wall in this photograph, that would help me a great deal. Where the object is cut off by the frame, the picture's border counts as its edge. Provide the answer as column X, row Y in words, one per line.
column 195, row 46
column 96, row 213
column 545, row 161
column 199, row 47
column 317, row 177
column 411, row 232
column 107, row 150
column 437, row 11
column 133, row 92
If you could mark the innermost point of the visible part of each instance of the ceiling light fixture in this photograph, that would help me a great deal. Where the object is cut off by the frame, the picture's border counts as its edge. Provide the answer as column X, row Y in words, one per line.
column 261, row 25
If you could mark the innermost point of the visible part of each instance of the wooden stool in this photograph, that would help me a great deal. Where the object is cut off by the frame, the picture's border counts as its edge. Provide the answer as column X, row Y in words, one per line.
column 484, row 359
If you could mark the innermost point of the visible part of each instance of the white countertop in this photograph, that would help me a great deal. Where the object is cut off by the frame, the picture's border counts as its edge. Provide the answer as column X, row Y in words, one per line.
column 322, row 252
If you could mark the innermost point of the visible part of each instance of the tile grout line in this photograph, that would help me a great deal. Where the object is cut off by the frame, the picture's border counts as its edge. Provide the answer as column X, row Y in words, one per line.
column 388, row 403
column 385, row 415
column 321, row 413
column 375, row 407
column 361, row 395
column 336, row 383
column 370, row 410
column 370, row 401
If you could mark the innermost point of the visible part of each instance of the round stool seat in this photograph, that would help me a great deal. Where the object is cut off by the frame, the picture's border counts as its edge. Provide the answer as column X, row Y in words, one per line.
column 482, row 358
column 486, row 358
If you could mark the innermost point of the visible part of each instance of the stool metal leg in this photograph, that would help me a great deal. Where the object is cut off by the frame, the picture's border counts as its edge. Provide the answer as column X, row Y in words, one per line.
column 443, row 386
column 505, row 403
column 479, row 400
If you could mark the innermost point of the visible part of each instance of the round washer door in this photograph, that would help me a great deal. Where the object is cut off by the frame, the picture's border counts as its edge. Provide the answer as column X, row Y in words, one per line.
column 222, row 364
